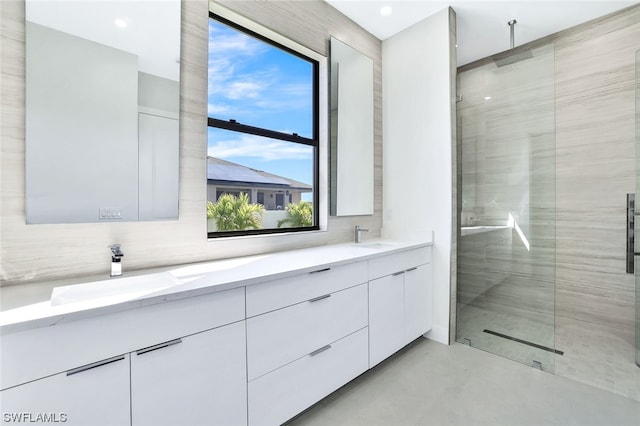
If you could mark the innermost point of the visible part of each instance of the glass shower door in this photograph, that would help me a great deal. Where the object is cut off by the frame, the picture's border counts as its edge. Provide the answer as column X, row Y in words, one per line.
column 637, row 192
column 506, row 254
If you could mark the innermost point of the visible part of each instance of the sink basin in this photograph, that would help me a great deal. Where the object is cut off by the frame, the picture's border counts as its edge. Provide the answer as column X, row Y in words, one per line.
column 119, row 289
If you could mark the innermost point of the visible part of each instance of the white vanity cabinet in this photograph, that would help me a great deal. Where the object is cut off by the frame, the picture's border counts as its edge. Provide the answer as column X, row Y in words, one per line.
column 256, row 354
column 310, row 339
column 95, row 394
column 400, row 301
column 74, row 367
column 194, row 380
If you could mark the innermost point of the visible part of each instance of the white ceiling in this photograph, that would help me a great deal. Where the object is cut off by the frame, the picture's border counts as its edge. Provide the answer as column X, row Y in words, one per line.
column 482, row 28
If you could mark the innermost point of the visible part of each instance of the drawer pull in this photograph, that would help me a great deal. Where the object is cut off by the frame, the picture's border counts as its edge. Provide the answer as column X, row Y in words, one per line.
column 315, row 299
column 411, row 269
column 319, row 351
column 158, row 346
column 397, row 273
column 320, row 270
column 95, row 365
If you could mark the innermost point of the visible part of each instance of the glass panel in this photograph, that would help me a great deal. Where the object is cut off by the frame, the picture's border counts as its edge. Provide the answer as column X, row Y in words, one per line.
column 506, row 283
column 273, row 173
column 637, row 192
column 258, row 84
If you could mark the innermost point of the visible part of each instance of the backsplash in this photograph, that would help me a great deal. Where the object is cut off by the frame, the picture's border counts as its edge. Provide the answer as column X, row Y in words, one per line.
column 33, row 253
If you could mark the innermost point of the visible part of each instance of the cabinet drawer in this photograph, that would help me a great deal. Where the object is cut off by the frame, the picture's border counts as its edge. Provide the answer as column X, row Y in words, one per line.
column 279, row 337
column 276, row 397
column 397, row 262
column 277, row 294
column 71, row 344
column 92, row 395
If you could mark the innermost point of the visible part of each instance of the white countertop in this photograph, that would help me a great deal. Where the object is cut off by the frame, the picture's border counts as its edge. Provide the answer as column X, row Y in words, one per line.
column 181, row 282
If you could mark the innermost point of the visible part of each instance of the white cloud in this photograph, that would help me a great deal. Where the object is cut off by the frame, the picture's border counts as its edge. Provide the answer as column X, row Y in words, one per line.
column 232, row 44
column 217, row 109
column 243, row 89
column 257, row 147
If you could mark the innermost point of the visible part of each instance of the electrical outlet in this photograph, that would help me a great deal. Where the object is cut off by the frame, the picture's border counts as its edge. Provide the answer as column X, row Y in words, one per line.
column 110, row 213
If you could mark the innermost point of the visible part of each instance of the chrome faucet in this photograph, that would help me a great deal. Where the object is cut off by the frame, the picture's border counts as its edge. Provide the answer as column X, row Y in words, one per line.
column 359, row 232
column 116, row 260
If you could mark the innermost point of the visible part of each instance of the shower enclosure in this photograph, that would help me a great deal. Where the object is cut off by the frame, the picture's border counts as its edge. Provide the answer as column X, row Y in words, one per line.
column 637, row 192
column 506, row 257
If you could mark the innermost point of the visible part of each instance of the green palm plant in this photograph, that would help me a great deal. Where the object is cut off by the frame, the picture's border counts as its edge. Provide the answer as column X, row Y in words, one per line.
column 300, row 214
column 233, row 213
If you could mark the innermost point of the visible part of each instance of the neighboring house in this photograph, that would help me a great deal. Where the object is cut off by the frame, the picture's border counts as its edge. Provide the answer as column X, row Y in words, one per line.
column 272, row 191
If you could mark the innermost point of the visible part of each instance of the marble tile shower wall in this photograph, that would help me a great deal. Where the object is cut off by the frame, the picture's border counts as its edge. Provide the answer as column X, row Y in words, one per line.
column 595, row 154
column 581, row 202
column 32, row 253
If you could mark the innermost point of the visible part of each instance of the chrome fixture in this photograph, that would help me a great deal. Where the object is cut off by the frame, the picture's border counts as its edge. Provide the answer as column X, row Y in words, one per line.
column 507, row 57
column 631, row 220
column 116, row 260
column 359, row 232
column 512, row 29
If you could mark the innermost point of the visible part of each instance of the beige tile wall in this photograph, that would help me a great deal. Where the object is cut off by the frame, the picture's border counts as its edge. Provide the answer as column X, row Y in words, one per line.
column 42, row 252
column 595, row 154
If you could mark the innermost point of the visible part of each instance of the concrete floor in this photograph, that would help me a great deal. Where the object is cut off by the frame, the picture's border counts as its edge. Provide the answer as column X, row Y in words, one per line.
column 432, row 384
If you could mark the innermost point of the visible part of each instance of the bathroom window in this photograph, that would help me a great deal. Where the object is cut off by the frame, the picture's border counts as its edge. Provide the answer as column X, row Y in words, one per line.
column 263, row 137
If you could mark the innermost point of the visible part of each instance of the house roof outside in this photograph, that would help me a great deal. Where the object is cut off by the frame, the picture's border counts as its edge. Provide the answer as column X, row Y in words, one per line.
column 224, row 172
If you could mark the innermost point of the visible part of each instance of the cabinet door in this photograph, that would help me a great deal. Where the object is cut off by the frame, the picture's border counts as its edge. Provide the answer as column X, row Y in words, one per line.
column 96, row 394
column 197, row 380
column 417, row 301
column 386, row 317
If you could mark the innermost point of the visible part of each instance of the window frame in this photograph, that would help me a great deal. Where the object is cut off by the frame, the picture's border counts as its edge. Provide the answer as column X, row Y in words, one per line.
column 316, row 140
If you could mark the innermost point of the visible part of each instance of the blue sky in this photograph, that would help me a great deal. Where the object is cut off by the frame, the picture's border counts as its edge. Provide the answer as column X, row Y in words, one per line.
column 260, row 85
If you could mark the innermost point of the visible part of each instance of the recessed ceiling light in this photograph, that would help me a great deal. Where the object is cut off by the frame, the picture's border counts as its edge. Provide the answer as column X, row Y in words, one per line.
column 386, row 11
column 120, row 23
column 486, row 98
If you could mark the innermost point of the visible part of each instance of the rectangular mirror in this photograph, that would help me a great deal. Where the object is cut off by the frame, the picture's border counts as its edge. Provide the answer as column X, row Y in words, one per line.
column 102, row 107
column 352, row 154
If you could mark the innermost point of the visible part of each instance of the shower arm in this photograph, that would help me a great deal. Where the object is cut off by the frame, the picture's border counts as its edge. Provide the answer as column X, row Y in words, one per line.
column 512, row 30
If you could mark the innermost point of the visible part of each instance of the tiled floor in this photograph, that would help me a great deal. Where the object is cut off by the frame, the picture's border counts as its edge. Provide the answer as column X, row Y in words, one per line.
column 518, row 307
column 592, row 354
column 432, row 384
column 597, row 356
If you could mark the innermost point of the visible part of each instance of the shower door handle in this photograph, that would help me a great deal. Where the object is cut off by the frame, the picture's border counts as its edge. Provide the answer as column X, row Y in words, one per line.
column 631, row 219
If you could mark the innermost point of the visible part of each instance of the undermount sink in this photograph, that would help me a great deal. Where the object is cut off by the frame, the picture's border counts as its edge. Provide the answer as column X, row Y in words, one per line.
column 125, row 288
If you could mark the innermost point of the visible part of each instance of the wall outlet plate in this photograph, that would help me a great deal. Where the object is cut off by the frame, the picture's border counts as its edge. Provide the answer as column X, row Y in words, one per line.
column 109, row 213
